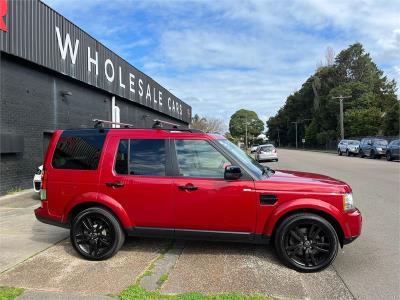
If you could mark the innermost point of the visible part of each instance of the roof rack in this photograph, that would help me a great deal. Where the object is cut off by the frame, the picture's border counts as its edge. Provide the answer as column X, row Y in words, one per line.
column 157, row 125
column 99, row 123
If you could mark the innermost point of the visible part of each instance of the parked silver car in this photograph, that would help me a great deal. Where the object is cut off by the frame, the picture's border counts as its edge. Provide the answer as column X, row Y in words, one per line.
column 266, row 153
column 350, row 147
column 373, row 147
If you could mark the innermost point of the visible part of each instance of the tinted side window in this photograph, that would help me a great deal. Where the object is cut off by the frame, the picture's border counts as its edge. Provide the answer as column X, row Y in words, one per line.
column 197, row 158
column 121, row 161
column 147, row 157
column 78, row 151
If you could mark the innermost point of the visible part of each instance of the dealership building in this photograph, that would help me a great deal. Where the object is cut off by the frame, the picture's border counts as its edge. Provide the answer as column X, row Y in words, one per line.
column 53, row 75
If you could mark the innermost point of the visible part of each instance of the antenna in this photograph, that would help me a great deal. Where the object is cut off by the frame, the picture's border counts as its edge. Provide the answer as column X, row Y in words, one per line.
column 99, row 123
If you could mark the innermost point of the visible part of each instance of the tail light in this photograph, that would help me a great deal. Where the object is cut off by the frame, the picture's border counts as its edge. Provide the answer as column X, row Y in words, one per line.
column 43, row 190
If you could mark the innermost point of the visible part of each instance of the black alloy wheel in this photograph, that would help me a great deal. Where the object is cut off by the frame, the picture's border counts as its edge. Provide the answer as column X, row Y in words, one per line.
column 306, row 242
column 389, row 156
column 96, row 234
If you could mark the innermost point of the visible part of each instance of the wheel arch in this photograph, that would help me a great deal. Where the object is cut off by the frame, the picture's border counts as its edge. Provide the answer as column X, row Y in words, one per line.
column 100, row 200
column 335, row 224
column 320, row 208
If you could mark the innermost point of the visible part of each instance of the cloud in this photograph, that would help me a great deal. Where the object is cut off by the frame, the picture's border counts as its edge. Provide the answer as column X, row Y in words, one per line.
column 224, row 55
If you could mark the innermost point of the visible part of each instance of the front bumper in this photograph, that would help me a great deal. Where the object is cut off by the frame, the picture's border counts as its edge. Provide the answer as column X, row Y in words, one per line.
column 269, row 156
column 354, row 223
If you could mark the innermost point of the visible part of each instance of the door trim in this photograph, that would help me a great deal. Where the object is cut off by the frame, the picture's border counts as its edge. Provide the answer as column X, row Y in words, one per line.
column 194, row 234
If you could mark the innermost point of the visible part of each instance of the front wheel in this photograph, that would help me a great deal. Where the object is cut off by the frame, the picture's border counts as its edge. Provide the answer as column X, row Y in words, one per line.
column 339, row 152
column 372, row 154
column 347, row 152
column 96, row 234
column 361, row 153
column 306, row 242
column 389, row 156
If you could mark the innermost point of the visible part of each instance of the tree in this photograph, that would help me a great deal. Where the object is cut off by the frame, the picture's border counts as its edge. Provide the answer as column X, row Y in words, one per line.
column 207, row 124
column 391, row 121
column 372, row 108
column 362, row 122
column 237, row 124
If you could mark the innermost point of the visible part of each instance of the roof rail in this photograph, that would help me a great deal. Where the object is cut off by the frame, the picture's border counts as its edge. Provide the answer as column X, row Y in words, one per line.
column 99, row 123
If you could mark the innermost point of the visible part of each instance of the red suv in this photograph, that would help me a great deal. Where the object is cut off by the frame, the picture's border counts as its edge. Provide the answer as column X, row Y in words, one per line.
column 105, row 184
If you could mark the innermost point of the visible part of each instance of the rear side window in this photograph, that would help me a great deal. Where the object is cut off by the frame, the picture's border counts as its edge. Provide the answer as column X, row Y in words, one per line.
column 78, row 151
column 141, row 157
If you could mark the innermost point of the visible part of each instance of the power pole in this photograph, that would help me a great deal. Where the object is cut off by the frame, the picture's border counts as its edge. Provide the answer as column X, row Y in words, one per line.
column 295, row 123
column 341, row 97
column 279, row 139
column 246, row 134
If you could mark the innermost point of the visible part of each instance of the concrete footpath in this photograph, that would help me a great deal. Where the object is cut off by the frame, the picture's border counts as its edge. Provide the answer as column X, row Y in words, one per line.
column 21, row 235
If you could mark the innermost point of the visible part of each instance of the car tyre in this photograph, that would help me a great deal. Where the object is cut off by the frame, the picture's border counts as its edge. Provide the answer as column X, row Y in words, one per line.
column 339, row 152
column 389, row 156
column 361, row 153
column 372, row 154
column 347, row 152
column 96, row 234
column 306, row 242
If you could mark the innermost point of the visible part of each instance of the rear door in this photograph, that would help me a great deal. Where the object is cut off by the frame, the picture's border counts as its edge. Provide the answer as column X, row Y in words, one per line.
column 136, row 174
column 204, row 200
column 74, row 167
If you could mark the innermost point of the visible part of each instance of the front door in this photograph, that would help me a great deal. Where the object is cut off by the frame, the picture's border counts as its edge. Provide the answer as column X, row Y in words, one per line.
column 136, row 175
column 204, row 201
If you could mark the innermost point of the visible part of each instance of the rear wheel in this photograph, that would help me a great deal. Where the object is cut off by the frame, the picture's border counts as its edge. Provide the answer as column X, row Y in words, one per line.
column 96, row 234
column 306, row 242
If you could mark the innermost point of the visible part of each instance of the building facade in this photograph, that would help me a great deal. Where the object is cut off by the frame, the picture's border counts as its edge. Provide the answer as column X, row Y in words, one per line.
column 54, row 76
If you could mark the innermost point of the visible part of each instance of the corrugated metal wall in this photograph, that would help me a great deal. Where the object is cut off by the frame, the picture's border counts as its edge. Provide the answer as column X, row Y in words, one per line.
column 32, row 35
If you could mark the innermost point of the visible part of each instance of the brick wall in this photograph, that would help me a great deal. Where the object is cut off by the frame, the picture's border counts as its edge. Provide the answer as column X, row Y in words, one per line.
column 32, row 103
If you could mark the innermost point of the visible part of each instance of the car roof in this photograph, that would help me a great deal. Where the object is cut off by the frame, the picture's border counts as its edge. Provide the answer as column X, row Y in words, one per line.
column 148, row 133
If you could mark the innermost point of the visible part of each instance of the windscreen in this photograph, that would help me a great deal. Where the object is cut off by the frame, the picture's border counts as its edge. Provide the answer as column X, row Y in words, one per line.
column 381, row 142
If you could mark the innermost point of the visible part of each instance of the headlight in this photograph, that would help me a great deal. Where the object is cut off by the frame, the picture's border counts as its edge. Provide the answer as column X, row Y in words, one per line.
column 379, row 148
column 348, row 203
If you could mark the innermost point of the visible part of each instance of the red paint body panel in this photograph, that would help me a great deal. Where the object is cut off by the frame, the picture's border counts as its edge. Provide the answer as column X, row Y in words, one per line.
column 217, row 204
column 147, row 200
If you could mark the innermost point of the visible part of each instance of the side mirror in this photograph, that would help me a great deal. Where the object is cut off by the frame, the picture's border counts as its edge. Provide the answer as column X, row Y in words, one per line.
column 232, row 173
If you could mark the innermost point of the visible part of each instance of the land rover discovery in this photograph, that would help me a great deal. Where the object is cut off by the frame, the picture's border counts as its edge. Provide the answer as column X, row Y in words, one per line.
column 105, row 184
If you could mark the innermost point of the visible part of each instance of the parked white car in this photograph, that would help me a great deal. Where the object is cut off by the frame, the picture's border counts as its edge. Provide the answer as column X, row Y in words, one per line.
column 37, row 179
column 253, row 148
column 266, row 153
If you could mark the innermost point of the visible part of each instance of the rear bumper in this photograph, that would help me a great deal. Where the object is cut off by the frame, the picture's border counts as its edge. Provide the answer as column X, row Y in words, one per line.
column 43, row 216
column 354, row 223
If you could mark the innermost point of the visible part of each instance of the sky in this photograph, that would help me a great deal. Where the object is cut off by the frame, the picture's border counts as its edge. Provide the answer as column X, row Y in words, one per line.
column 223, row 55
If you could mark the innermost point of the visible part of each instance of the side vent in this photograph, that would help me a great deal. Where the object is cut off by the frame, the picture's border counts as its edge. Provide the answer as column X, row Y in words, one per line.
column 266, row 199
